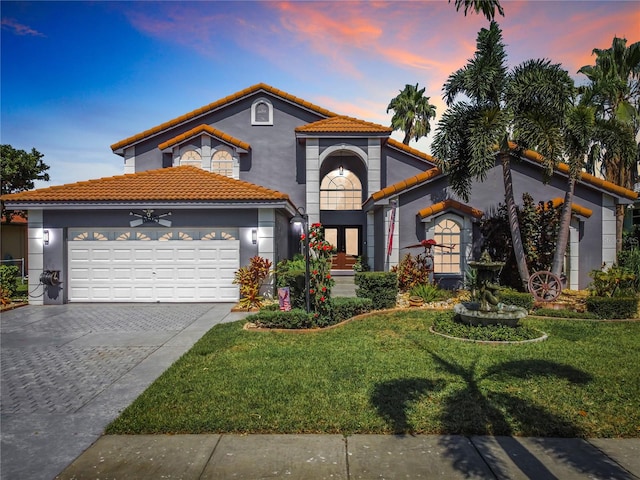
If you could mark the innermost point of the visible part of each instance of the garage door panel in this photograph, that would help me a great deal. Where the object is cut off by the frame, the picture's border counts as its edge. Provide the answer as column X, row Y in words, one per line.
column 151, row 271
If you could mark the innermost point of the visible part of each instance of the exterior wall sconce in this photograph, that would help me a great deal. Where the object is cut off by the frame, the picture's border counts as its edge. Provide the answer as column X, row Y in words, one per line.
column 45, row 237
column 254, row 236
column 341, row 170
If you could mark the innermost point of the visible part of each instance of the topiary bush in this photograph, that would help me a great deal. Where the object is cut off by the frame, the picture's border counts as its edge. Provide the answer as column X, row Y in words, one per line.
column 613, row 307
column 380, row 287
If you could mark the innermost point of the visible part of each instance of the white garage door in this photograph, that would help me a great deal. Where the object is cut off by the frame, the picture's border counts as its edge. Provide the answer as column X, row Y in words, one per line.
column 153, row 271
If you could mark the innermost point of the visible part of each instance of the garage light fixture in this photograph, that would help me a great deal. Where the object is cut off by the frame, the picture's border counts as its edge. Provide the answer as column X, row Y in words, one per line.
column 254, row 236
column 45, row 237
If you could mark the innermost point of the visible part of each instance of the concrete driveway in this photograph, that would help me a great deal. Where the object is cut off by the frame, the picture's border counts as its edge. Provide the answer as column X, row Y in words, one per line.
column 68, row 370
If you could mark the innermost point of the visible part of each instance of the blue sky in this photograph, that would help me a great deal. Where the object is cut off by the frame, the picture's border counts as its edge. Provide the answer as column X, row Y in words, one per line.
column 77, row 76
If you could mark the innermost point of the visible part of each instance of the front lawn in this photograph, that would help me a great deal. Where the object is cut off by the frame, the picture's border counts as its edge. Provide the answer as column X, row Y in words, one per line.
column 388, row 374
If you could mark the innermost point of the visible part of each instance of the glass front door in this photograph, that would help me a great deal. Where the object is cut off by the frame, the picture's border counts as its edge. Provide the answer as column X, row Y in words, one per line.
column 346, row 240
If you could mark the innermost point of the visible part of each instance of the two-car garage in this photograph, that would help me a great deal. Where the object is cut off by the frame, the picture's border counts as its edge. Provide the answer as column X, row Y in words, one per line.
column 147, row 270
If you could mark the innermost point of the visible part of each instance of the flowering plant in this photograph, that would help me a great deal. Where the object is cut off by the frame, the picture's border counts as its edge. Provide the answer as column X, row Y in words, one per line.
column 320, row 280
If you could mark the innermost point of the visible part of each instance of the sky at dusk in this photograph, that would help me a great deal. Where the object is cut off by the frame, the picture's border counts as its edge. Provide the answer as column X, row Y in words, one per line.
column 78, row 76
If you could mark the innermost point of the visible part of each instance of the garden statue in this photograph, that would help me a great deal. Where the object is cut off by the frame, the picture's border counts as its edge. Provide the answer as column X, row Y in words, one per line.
column 488, row 310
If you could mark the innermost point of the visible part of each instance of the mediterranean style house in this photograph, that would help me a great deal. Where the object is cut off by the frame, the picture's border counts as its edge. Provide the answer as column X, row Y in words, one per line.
column 203, row 193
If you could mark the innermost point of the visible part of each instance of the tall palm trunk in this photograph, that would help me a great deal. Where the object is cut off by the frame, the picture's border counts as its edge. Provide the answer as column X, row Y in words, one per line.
column 514, row 224
column 563, row 231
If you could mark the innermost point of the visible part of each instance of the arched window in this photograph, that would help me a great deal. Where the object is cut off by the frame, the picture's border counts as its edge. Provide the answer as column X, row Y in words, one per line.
column 447, row 260
column 191, row 157
column 340, row 190
column 262, row 112
column 222, row 163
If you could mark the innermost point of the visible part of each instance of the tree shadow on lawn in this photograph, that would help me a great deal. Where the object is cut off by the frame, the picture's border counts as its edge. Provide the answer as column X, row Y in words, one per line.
column 473, row 410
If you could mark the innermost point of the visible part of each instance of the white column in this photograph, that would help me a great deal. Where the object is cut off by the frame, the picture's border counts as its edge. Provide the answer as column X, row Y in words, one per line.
column 608, row 230
column 313, row 180
column 573, row 259
column 266, row 239
column 370, row 239
column 130, row 160
column 36, row 256
column 206, row 152
column 394, row 258
column 374, row 156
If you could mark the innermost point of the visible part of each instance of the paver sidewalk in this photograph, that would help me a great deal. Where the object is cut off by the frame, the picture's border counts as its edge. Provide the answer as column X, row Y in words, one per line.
column 310, row 457
column 68, row 370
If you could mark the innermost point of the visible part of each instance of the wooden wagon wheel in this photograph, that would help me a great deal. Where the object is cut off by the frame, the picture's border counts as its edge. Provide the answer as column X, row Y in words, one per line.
column 545, row 286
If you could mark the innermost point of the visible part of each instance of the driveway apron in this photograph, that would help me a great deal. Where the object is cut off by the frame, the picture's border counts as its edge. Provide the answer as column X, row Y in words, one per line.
column 69, row 370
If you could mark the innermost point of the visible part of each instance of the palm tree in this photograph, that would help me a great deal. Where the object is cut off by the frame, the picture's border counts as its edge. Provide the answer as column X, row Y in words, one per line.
column 529, row 103
column 487, row 7
column 412, row 113
column 580, row 123
column 614, row 91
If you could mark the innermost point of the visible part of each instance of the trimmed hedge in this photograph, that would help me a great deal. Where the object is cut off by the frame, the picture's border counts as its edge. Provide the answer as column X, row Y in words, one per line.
column 341, row 309
column 613, row 307
column 519, row 299
column 344, row 308
column 292, row 319
column 380, row 287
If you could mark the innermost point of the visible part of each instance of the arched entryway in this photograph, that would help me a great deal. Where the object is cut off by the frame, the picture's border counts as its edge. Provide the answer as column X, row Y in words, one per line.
column 343, row 178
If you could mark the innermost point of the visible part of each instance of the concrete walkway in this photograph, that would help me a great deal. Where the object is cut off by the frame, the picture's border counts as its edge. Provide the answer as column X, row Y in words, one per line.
column 310, row 457
column 67, row 371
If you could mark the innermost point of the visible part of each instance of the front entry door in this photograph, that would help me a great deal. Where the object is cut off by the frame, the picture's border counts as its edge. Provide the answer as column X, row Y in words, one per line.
column 346, row 239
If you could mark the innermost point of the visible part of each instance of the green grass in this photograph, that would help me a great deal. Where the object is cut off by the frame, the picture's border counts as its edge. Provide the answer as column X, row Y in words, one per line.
column 388, row 374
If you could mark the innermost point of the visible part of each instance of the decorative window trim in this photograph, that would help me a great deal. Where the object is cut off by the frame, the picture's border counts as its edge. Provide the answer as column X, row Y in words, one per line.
column 441, row 254
column 254, row 113
column 333, row 195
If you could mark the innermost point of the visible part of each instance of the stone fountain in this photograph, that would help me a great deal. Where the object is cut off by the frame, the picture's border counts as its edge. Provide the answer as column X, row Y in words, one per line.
column 487, row 310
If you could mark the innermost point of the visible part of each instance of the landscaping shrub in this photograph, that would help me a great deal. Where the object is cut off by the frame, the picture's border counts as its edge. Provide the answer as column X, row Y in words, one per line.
column 343, row 308
column 412, row 271
column 250, row 280
column 380, row 287
column 614, row 282
column 429, row 292
column 613, row 307
column 292, row 319
column 9, row 280
column 294, row 279
column 629, row 259
column 519, row 299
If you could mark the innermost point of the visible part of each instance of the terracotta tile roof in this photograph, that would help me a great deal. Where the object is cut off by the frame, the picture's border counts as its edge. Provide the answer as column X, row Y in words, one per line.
column 450, row 204
column 401, row 146
column 219, row 103
column 343, row 124
column 184, row 183
column 208, row 129
column 585, row 177
column 406, row 183
column 575, row 208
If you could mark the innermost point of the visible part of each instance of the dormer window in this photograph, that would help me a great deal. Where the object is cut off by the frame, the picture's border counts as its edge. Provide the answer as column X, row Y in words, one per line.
column 192, row 158
column 222, row 163
column 262, row 112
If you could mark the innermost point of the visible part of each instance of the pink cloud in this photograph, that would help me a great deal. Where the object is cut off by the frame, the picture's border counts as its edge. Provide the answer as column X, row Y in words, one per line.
column 20, row 29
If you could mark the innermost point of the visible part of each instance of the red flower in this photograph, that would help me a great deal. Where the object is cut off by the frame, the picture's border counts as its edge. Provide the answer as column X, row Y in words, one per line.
column 322, row 299
column 303, row 236
column 312, row 291
column 324, row 289
column 328, row 276
column 316, row 225
column 315, row 272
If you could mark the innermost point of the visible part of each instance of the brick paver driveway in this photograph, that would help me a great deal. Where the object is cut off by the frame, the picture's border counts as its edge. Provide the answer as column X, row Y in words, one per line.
column 68, row 370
